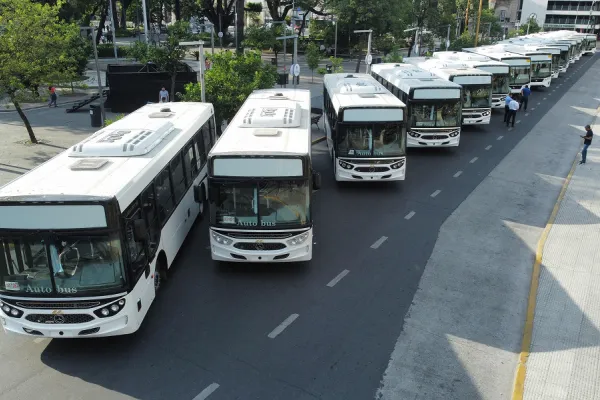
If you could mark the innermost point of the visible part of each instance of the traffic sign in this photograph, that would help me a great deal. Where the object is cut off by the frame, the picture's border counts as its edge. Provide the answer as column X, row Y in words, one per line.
column 369, row 59
column 220, row 34
column 295, row 70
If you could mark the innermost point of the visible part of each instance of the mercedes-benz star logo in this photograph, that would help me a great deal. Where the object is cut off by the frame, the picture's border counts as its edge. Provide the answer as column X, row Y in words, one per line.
column 260, row 245
column 59, row 319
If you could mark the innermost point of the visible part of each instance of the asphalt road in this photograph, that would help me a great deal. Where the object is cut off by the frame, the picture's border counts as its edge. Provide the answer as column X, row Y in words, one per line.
column 211, row 326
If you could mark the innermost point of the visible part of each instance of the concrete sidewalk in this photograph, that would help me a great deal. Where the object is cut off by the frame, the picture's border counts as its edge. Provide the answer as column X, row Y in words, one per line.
column 564, row 356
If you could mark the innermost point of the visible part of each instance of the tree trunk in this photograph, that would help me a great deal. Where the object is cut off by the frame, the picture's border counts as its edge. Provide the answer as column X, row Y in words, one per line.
column 177, row 10
column 101, row 24
column 25, row 120
column 173, row 79
column 115, row 16
column 124, row 6
column 240, row 25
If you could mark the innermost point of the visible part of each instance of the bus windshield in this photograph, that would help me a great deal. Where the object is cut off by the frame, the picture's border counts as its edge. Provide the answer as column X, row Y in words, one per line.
column 263, row 203
column 371, row 140
column 430, row 115
column 520, row 75
column 477, row 96
column 59, row 264
column 500, row 84
column 541, row 70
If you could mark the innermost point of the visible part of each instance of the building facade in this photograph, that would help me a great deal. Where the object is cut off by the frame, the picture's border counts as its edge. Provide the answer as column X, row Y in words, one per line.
column 580, row 16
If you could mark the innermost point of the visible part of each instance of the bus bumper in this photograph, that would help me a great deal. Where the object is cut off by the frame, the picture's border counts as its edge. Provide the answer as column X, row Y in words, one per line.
column 498, row 101
column 554, row 75
column 542, row 82
column 348, row 175
column 477, row 118
column 227, row 251
column 120, row 324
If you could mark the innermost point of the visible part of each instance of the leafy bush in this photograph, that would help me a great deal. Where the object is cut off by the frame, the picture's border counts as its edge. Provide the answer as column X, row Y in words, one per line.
column 122, row 32
column 109, row 121
column 106, row 50
column 321, row 70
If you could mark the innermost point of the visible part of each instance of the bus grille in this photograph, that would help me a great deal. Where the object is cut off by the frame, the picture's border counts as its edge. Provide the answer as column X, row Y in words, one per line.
column 434, row 137
column 371, row 169
column 258, row 235
column 59, row 318
column 259, row 246
column 61, row 305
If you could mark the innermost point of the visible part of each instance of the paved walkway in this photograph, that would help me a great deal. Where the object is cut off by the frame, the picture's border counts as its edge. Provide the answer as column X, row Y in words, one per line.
column 564, row 361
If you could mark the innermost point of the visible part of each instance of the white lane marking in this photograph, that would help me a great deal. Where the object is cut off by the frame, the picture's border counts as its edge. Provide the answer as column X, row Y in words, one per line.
column 500, row 137
column 38, row 340
column 338, row 278
column 435, row 193
column 543, row 99
column 207, row 391
column 526, row 114
column 488, row 147
column 474, row 159
column 410, row 215
column 379, row 242
column 533, row 109
column 540, row 103
column 282, row 326
column 518, row 121
column 459, row 173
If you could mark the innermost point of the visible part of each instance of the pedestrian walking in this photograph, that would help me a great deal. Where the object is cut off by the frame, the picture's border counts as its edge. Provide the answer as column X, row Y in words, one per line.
column 163, row 95
column 587, row 141
column 513, row 107
column 525, row 93
column 506, row 103
column 53, row 96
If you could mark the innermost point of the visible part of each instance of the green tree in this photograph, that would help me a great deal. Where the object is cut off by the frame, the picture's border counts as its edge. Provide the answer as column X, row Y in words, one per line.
column 313, row 56
column 230, row 81
column 533, row 28
column 35, row 49
column 336, row 63
column 168, row 55
column 260, row 38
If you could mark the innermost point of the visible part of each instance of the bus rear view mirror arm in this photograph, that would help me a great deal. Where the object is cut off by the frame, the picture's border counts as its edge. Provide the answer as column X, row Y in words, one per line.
column 316, row 181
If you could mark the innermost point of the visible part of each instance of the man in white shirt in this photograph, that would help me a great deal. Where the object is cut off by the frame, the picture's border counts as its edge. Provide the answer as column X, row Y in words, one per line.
column 513, row 107
column 163, row 96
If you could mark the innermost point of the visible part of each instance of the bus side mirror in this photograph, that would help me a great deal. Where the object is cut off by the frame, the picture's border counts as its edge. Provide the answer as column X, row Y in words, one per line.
column 140, row 230
column 198, row 194
column 316, row 181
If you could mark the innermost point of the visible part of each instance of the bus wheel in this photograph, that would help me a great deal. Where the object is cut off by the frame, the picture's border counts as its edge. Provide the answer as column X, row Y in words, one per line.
column 204, row 203
column 160, row 275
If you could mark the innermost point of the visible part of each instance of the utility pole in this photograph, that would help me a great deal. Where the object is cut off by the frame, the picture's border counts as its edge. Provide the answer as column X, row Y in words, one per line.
column 335, row 45
column 200, row 45
column 113, row 29
column 478, row 20
column 369, row 58
column 93, row 30
column 145, row 21
column 294, row 56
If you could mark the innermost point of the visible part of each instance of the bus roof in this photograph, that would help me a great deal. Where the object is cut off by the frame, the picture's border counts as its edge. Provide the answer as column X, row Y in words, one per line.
column 460, row 55
column 405, row 71
column 396, row 75
column 495, row 53
column 358, row 91
column 271, row 121
column 119, row 160
column 429, row 63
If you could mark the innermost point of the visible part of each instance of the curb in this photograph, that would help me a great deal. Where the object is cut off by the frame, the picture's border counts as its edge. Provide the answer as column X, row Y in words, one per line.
column 68, row 103
column 319, row 140
column 521, row 373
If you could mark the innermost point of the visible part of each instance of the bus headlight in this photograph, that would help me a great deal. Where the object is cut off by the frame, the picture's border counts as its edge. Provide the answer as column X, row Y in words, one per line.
column 397, row 165
column 111, row 309
column 454, row 133
column 221, row 239
column 296, row 240
column 11, row 311
column 414, row 134
column 345, row 165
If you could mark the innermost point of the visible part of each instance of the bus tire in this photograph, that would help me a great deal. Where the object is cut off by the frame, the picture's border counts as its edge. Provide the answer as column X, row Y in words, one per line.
column 160, row 275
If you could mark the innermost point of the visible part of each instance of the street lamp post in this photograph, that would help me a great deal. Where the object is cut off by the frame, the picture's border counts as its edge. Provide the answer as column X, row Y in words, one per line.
column 200, row 45
column 531, row 16
column 368, row 58
column 93, row 31
column 294, row 56
column 114, row 30
column 284, row 42
column 335, row 42
column 145, row 20
column 212, row 36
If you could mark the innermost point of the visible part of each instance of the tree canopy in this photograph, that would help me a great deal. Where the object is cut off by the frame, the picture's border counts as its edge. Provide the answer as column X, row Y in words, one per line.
column 36, row 48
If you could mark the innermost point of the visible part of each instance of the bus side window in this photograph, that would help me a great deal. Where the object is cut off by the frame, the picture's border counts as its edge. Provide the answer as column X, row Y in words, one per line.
column 207, row 137
column 164, row 196
column 149, row 207
column 178, row 178
column 136, row 250
column 189, row 162
column 199, row 147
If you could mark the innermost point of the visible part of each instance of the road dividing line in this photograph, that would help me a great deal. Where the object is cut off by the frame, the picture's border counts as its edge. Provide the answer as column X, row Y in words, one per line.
column 435, row 193
column 207, row 391
column 38, row 340
column 518, row 121
column 282, row 326
column 500, row 137
column 379, row 242
column 410, row 215
column 474, row 159
column 459, row 173
column 539, row 103
column 488, row 147
column 543, row 99
column 533, row 109
column 526, row 114
column 338, row 278
column 519, row 384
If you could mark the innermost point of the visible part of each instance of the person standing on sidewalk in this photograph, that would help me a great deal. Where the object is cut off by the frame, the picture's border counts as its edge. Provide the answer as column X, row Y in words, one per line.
column 506, row 103
column 587, row 141
column 525, row 93
column 53, row 96
column 513, row 107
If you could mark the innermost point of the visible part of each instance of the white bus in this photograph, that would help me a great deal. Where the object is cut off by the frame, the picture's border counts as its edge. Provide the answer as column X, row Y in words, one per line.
column 541, row 63
column 559, row 55
column 519, row 65
column 261, row 180
column 476, row 85
column 366, row 129
column 591, row 43
column 87, row 237
column 433, row 104
column 499, row 70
